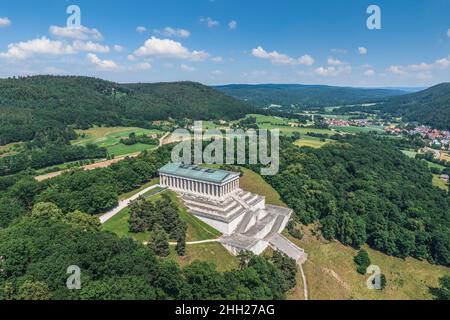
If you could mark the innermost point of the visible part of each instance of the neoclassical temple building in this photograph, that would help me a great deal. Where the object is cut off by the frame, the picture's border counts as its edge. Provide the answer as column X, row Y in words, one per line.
column 215, row 197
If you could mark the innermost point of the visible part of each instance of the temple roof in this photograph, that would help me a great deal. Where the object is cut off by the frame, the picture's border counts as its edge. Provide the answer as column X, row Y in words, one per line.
column 198, row 173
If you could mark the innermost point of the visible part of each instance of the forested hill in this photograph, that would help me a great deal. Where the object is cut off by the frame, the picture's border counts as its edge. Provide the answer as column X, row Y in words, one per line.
column 431, row 106
column 305, row 95
column 30, row 104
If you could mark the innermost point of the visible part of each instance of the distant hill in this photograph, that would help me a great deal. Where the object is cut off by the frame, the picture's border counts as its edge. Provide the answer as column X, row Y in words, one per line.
column 430, row 106
column 306, row 96
column 30, row 104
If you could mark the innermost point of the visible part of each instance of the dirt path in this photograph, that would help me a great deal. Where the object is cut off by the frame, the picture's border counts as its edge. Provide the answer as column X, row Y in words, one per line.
column 101, row 164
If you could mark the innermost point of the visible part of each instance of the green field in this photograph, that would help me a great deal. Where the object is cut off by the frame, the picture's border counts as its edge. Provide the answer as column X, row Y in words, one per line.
column 359, row 129
column 311, row 142
column 196, row 229
column 410, row 153
column 207, row 252
column 253, row 182
column 437, row 182
column 110, row 139
column 271, row 122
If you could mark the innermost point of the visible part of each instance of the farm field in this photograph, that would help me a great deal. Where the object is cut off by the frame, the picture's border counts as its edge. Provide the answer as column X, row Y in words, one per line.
column 358, row 129
column 271, row 122
column 331, row 273
column 109, row 137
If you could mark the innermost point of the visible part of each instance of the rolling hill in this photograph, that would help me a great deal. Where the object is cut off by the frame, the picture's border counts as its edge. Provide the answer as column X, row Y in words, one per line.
column 430, row 106
column 305, row 96
column 30, row 104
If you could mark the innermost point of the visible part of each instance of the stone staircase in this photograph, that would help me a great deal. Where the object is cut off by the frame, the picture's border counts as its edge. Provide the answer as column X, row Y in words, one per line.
column 246, row 222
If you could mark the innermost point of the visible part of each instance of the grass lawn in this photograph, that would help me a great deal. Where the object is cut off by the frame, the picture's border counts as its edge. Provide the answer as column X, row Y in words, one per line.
column 208, row 252
column 271, row 122
column 437, row 182
column 331, row 273
column 359, row 129
column 119, row 225
column 132, row 193
column 410, row 153
column 196, row 229
column 109, row 137
column 254, row 183
column 311, row 142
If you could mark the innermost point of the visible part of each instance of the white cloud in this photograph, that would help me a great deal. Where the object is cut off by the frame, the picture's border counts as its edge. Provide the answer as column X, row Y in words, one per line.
column 232, row 25
column 421, row 68
column 340, row 51
column 90, row 46
column 4, row 22
column 217, row 59
column 448, row 32
column 279, row 58
column 306, row 60
column 81, row 33
column 369, row 73
column 334, row 62
column 333, row 71
column 24, row 50
column 362, row 50
column 141, row 29
column 172, row 32
column 118, row 48
column 216, row 72
column 211, row 23
column 167, row 48
column 143, row 66
column 396, row 70
column 187, row 68
column 443, row 63
column 107, row 65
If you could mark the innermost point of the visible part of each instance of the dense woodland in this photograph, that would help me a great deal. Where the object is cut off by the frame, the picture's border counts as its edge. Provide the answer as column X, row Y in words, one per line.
column 37, row 251
column 49, row 147
column 366, row 191
column 305, row 96
column 430, row 107
column 30, row 104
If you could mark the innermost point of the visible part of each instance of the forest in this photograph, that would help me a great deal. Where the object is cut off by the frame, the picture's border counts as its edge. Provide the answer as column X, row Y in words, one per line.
column 31, row 104
column 361, row 190
column 37, row 251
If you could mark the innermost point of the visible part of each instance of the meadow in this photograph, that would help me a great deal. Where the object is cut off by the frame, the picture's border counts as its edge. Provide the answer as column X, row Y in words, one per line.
column 109, row 137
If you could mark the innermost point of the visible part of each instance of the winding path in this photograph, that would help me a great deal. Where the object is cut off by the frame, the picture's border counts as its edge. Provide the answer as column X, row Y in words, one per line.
column 125, row 203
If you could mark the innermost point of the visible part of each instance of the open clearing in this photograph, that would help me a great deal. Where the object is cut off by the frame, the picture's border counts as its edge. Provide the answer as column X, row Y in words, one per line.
column 109, row 137
column 331, row 273
column 311, row 142
column 438, row 182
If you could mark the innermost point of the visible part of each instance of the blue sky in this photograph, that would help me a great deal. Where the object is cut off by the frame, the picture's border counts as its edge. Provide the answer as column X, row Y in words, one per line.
column 230, row 41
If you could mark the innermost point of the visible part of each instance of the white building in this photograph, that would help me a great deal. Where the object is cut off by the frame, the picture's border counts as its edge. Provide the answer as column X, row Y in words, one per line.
column 244, row 219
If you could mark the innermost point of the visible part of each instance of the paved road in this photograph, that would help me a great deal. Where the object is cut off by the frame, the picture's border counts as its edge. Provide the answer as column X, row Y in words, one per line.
column 125, row 203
